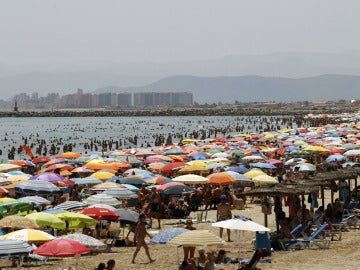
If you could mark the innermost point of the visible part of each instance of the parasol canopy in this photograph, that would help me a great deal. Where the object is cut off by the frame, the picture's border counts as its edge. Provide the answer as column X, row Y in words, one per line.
column 14, row 247
column 61, row 248
column 29, row 235
column 242, row 224
column 165, row 236
column 196, row 238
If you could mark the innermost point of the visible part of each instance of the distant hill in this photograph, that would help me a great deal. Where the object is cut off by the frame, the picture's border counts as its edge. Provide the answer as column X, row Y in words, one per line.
column 256, row 88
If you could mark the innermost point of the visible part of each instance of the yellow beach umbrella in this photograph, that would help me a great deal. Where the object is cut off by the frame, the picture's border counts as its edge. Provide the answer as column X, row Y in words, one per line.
column 6, row 199
column 253, row 173
column 265, row 180
column 45, row 219
column 196, row 238
column 29, row 235
column 102, row 175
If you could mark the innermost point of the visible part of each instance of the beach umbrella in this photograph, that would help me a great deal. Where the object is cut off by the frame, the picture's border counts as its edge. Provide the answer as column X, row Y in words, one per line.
column 134, row 181
column 37, row 186
column 252, row 158
column 4, row 181
column 55, row 161
column 349, row 146
column 5, row 199
column 86, row 240
column 86, row 181
column 63, row 167
column 43, row 159
column 102, row 198
column 350, row 164
column 6, row 167
column 98, row 213
column 61, row 248
column 305, row 167
column 196, row 238
column 216, row 166
column 115, row 179
column 35, row 200
column 158, row 180
column 136, row 171
column 14, row 247
column 18, row 178
column 82, row 170
column 262, row 165
column 127, row 215
column 18, row 222
column 167, row 185
column 3, row 191
column 105, row 186
column 102, row 175
column 352, row 153
column 47, row 176
column 295, row 160
column 239, row 169
column 241, row 224
column 165, row 236
column 191, row 179
column 177, row 190
column 220, row 179
column 14, row 207
column 120, row 193
column 23, row 163
column 29, row 235
column 172, row 166
column 76, row 220
column 103, row 205
column 253, row 173
column 130, row 187
column 69, row 155
column 72, row 205
column 335, row 158
column 46, row 219
column 239, row 178
column 316, row 149
column 265, row 180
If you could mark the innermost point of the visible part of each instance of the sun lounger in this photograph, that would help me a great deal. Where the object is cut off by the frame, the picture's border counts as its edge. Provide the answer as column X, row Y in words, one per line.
column 312, row 240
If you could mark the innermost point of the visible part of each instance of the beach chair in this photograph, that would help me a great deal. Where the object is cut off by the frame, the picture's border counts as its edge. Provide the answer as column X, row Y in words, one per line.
column 262, row 249
column 296, row 231
column 312, row 240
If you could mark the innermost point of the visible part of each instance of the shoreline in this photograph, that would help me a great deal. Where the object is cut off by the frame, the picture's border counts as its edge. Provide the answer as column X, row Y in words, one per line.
column 198, row 111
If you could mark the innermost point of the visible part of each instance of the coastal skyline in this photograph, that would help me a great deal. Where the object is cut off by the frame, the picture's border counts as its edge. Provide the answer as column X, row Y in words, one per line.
column 140, row 42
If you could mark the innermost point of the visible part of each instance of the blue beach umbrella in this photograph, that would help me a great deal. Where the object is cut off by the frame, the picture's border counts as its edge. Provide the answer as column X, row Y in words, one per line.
column 165, row 236
column 262, row 165
column 239, row 169
column 37, row 186
column 335, row 158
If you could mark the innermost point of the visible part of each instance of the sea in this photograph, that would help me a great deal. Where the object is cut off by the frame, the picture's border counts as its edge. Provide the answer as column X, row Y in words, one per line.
column 147, row 130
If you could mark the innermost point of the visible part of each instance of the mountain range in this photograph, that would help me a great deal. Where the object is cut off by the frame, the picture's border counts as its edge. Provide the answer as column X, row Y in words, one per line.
column 271, row 77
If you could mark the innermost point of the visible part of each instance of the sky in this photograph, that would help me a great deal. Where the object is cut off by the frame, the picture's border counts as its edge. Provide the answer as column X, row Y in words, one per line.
column 133, row 31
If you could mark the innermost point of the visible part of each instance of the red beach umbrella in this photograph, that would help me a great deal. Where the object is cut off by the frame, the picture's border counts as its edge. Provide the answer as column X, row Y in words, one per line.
column 99, row 213
column 61, row 248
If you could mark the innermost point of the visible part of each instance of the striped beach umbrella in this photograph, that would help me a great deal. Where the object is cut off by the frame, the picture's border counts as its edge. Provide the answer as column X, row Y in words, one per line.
column 14, row 247
column 37, row 186
column 105, row 186
column 196, row 238
column 165, row 236
column 35, row 200
column 120, row 193
column 102, row 198
column 71, row 205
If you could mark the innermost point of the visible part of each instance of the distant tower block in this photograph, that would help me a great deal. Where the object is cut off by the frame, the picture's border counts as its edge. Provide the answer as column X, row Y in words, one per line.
column 16, row 108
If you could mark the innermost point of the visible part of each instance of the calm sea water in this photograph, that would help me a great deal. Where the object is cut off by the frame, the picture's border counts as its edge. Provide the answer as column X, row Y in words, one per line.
column 81, row 130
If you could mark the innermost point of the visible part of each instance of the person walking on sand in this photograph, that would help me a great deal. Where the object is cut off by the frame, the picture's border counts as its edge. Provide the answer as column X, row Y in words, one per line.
column 140, row 234
column 224, row 213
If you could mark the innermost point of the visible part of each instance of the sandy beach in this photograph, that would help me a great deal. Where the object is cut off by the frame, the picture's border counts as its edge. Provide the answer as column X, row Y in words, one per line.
column 342, row 254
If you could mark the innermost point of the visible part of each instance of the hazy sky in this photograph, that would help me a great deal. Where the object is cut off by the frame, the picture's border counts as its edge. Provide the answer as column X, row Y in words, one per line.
column 165, row 30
